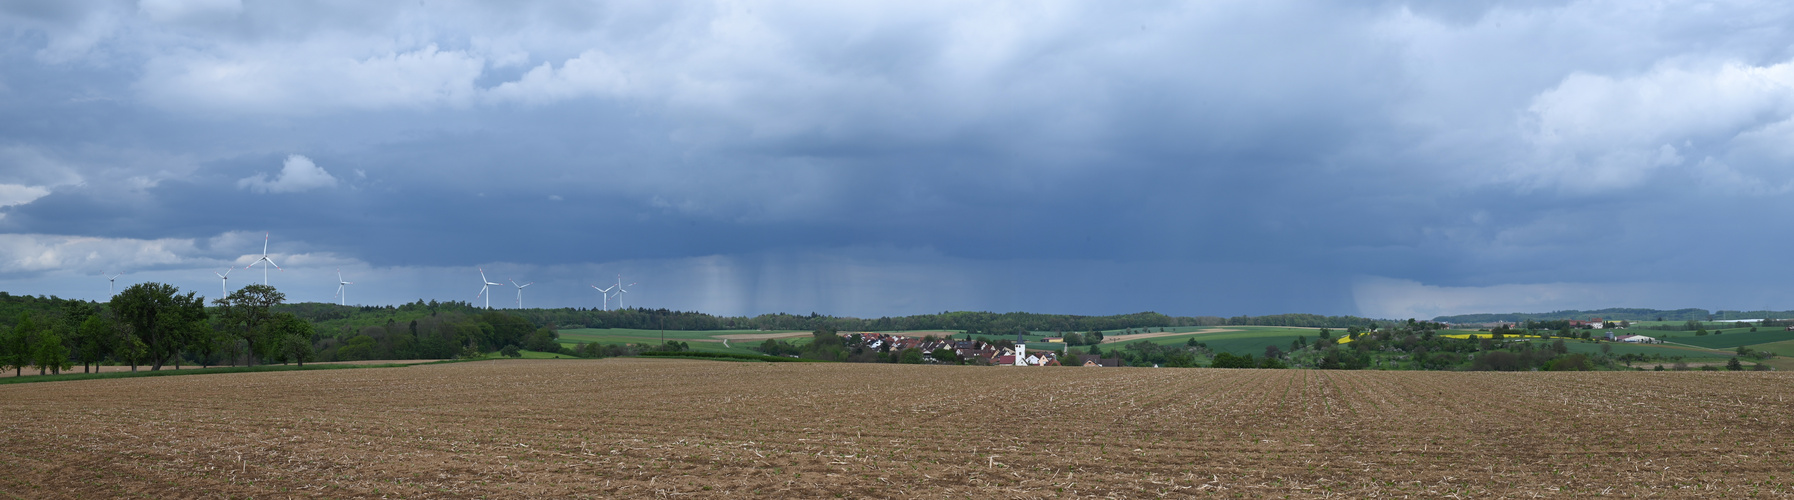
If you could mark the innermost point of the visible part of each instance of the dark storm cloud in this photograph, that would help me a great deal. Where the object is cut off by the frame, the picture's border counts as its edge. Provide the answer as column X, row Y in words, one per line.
column 1210, row 158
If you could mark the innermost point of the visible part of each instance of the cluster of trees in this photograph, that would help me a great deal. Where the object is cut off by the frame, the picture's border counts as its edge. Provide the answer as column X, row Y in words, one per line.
column 154, row 324
column 1417, row 346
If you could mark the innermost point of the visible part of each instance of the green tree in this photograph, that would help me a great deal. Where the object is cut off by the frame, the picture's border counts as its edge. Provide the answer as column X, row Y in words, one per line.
column 164, row 321
column 911, row 356
column 94, row 340
column 1734, row 365
column 51, row 354
column 511, row 350
column 359, row 347
column 1570, row 363
column 246, row 314
column 295, row 337
column 297, row 348
column 131, row 349
column 15, row 349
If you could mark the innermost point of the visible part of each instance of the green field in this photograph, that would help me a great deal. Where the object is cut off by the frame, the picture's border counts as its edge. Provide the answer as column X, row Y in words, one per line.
column 1247, row 340
column 1730, row 339
column 704, row 341
column 1783, row 348
column 1619, row 348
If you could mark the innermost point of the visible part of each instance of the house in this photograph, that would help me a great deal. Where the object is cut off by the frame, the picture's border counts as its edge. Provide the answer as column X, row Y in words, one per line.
column 1637, row 339
column 1096, row 361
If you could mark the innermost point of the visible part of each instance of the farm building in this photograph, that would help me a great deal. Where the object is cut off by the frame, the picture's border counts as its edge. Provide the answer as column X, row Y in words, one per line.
column 1096, row 361
column 1637, row 339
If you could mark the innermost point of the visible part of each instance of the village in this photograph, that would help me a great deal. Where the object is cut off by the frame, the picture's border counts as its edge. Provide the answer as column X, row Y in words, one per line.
column 973, row 351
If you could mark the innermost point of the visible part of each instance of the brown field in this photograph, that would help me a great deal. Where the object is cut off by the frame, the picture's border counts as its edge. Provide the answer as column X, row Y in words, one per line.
column 640, row 428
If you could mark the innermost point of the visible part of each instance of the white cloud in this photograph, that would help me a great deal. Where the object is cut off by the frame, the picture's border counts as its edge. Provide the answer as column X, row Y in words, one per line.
column 297, row 174
column 1595, row 132
column 318, row 76
column 38, row 253
column 593, row 73
column 178, row 10
column 14, row 194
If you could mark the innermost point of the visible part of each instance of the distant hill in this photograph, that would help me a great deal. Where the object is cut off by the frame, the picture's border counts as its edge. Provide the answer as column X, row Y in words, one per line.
column 1618, row 313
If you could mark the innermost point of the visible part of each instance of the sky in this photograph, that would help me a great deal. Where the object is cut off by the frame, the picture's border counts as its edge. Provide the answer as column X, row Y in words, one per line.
column 1386, row 159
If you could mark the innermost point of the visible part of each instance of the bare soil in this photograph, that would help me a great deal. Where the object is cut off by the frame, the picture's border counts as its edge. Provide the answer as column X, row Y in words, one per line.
column 641, row 428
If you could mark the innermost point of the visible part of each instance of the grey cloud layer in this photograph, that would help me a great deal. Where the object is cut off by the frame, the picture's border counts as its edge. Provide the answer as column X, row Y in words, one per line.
column 1447, row 144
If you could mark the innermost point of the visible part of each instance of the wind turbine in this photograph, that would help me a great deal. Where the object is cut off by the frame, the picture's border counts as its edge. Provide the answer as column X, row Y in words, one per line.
column 112, row 283
column 621, row 291
column 270, row 262
column 342, row 298
column 604, row 292
column 485, row 288
column 520, row 291
column 224, row 281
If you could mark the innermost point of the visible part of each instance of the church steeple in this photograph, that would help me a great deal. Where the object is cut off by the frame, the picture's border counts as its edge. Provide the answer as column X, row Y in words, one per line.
column 1021, row 349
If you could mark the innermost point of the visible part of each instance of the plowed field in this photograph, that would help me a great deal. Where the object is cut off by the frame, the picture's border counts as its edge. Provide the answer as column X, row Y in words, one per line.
column 633, row 427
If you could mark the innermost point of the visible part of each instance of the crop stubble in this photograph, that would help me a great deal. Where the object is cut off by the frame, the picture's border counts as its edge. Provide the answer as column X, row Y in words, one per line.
column 632, row 427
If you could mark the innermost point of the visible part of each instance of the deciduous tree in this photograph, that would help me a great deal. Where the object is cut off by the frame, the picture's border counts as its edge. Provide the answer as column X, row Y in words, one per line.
column 15, row 348
column 246, row 314
column 159, row 317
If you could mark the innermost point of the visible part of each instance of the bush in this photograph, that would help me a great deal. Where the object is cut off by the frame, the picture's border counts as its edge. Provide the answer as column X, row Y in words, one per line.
column 1496, row 361
column 1571, row 363
column 1228, row 360
column 511, row 350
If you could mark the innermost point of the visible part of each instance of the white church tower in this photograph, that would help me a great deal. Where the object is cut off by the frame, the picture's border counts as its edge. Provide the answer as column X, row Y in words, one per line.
column 1021, row 350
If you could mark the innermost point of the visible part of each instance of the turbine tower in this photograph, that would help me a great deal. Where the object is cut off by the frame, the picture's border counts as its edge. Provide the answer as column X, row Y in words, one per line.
column 224, row 281
column 605, row 293
column 341, row 297
column 112, row 283
column 520, row 291
column 269, row 262
column 485, row 288
column 621, row 291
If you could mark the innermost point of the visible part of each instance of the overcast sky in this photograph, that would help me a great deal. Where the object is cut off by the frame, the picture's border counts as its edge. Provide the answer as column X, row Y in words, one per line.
column 1389, row 159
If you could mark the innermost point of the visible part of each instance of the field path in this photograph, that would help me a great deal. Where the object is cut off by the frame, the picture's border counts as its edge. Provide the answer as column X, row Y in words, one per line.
column 631, row 427
column 1142, row 336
